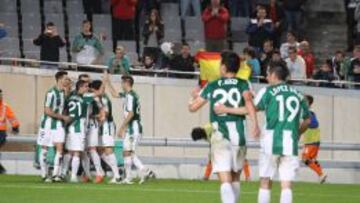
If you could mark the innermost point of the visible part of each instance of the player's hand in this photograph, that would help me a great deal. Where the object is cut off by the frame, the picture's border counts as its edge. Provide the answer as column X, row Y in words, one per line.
column 106, row 77
column 220, row 109
column 121, row 133
column 66, row 119
column 195, row 92
column 256, row 132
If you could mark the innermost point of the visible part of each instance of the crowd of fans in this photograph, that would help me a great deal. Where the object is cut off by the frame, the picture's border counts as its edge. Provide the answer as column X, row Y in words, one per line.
column 274, row 32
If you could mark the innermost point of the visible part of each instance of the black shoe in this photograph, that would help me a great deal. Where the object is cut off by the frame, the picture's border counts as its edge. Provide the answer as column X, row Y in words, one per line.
column 2, row 169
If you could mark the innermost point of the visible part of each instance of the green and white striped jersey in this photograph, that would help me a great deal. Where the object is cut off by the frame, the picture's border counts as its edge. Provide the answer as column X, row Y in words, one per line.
column 284, row 107
column 55, row 100
column 77, row 107
column 132, row 104
column 107, row 105
column 227, row 91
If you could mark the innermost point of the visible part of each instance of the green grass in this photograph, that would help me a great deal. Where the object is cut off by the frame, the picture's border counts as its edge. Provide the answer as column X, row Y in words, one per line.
column 29, row 189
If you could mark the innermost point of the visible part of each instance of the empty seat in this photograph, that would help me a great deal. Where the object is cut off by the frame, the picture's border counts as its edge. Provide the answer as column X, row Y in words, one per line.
column 134, row 58
column 194, row 29
column 172, row 22
column 30, row 6
column 196, row 46
column 238, row 28
column 31, row 25
column 58, row 20
column 102, row 23
column 53, row 7
column 9, row 45
column 29, row 46
column 239, row 47
column 8, row 6
column 74, row 6
column 75, row 23
column 169, row 9
column 130, row 46
column 172, row 35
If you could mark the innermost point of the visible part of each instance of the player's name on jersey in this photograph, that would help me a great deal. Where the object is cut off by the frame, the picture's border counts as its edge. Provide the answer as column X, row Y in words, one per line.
column 284, row 88
column 229, row 81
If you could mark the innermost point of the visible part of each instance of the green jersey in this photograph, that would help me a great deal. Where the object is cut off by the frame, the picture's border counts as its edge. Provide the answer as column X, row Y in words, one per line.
column 107, row 105
column 77, row 108
column 284, row 108
column 55, row 100
column 132, row 104
column 227, row 91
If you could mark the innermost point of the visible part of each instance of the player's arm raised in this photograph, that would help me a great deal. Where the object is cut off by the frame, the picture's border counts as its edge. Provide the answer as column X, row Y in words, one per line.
column 197, row 101
column 107, row 81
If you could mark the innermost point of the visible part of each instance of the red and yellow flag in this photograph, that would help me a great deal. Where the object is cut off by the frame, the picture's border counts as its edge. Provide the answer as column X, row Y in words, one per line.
column 209, row 63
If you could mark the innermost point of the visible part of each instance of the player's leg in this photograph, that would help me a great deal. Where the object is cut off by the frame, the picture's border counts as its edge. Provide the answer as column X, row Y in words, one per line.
column 235, row 176
column 92, row 144
column 75, row 164
column 97, row 164
column 112, row 162
column 127, row 165
column 58, row 138
column 309, row 158
column 65, row 165
column 246, row 169
column 2, row 143
column 267, row 168
column 85, row 163
column 44, row 140
column 208, row 170
column 226, row 188
column 238, row 157
column 288, row 166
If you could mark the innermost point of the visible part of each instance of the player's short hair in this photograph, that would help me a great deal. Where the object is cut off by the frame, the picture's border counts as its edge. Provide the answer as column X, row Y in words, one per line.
column 198, row 133
column 79, row 84
column 128, row 79
column 310, row 99
column 231, row 61
column 84, row 75
column 60, row 74
column 96, row 84
column 280, row 70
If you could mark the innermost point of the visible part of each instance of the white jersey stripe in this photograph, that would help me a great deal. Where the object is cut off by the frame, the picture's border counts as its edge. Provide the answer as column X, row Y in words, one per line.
column 287, row 143
column 233, row 133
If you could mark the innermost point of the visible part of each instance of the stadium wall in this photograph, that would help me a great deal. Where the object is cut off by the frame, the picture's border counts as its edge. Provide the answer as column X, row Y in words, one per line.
column 164, row 111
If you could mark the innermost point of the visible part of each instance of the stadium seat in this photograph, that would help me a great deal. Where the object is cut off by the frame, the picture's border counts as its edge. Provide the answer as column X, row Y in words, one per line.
column 108, row 45
column 194, row 29
column 58, row 20
column 74, row 6
column 195, row 46
column 102, row 23
column 10, row 6
column 133, row 56
column 31, row 25
column 238, row 28
column 53, row 7
column 169, row 9
column 10, row 21
column 30, row 6
column 130, row 46
column 9, row 47
column 74, row 22
column 238, row 47
column 172, row 35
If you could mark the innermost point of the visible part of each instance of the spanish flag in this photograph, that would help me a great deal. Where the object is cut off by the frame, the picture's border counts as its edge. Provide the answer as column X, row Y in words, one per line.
column 209, row 63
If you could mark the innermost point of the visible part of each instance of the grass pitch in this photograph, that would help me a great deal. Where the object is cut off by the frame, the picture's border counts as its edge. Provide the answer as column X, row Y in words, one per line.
column 29, row 189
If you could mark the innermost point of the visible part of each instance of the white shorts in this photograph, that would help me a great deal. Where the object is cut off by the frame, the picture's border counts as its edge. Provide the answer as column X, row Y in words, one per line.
column 75, row 142
column 286, row 166
column 226, row 157
column 130, row 142
column 47, row 137
column 92, row 135
column 44, row 137
column 107, row 136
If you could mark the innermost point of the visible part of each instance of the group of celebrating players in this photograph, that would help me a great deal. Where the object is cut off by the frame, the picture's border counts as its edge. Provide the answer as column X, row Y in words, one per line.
column 79, row 124
column 287, row 117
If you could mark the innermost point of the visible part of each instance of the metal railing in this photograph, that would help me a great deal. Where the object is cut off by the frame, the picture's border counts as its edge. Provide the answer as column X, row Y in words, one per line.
column 188, row 143
column 155, row 72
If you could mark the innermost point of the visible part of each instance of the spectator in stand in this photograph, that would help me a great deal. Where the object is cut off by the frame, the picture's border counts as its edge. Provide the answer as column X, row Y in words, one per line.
column 306, row 54
column 253, row 63
column 291, row 41
column 92, row 6
column 215, row 19
column 119, row 63
column 183, row 62
column 338, row 64
column 296, row 65
column 259, row 29
column 50, row 42
column 293, row 13
column 87, row 47
column 147, row 6
column 354, row 68
column 276, row 57
column 185, row 6
column 325, row 73
column 350, row 6
column 276, row 14
column 265, row 56
column 149, row 63
column 357, row 19
column 240, row 8
column 123, row 12
column 153, row 31
column 3, row 32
